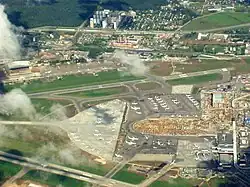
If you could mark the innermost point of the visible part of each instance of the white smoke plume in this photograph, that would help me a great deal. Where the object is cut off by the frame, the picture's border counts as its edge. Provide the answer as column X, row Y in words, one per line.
column 17, row 102
column 9, row 45
column 133, row 62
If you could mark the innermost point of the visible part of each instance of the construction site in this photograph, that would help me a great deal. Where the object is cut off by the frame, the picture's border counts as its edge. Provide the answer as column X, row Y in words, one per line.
column 216, row 114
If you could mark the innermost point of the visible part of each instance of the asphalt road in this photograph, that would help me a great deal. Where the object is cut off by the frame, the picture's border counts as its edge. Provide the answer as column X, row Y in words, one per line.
column 61, row 170
column 133, row 32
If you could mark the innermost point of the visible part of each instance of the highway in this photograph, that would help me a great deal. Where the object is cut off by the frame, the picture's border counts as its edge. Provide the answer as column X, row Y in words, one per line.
column 159, row 174
column 61, row 170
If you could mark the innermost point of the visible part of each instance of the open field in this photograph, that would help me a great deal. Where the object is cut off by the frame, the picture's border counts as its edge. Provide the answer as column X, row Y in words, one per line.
column 223, row 19
column 129, row 177
column 160, row 68
column 48, row 144
column 100, row 92
column 178, row 182
column 53, row 180
column 241, row 66
column 196, row 79
column 204, row 65
column 72, row 81
column 8, row 170
column 148, row 86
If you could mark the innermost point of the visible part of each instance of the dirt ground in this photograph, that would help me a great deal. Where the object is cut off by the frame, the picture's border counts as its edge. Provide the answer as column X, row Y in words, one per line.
column 160, row 68
column 22, row 183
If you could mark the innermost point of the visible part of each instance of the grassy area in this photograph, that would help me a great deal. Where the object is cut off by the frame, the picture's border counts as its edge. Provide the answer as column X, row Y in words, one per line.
column 72, row 81
column 196, row 79
column 178, row 182
column 241, row 66
column 129, row 177
column 8, row 170
column 100, row 92
column 53, row 180
column 223, row 19
column 204, row 65
column 49, row 144
column 148, row 86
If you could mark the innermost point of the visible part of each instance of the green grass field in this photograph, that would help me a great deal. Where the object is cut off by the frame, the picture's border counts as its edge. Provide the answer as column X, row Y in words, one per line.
column 72, row 81
column 46, row 143
column 224, row 19
column 205, row 65
column 196, row 79
column 8, row 170
column 178, row 182
column 100, row 92
column 129, row 177
column 208, row 64
column 53, row 180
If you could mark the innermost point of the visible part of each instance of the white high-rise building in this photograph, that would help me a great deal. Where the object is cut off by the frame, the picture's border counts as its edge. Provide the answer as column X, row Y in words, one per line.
column 115, row 25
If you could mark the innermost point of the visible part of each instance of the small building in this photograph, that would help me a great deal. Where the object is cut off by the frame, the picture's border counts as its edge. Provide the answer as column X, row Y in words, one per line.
column 202, row 36
column 18, row 65
column 225, row 160
column 225, row 142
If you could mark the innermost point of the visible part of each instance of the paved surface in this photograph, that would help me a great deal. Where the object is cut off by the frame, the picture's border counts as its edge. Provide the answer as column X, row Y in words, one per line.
column 61, row 170
column 48, row 29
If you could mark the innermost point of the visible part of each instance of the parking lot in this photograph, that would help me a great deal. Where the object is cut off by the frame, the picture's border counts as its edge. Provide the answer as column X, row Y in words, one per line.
column 173, row 104
column 146, row 144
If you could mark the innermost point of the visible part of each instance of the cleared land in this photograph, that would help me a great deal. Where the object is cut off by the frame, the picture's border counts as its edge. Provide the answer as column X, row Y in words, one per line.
column 48, row 144
column 129, row 177
column 148, row 86
column 241, row 66
column 53, row 180
column 100, row 92
column 196, row 79
column 8, row 170
column 173, row 126
column 160, row 68
column 72, row 81
column 223, row 19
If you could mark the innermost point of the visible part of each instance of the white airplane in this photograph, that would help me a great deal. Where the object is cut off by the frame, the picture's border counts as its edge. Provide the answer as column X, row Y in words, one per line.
column 138, row 113
column 118, row 156
column 160, row 143
column 132, row 138
column 135, row 108
column 99, row 134
column 130, row 143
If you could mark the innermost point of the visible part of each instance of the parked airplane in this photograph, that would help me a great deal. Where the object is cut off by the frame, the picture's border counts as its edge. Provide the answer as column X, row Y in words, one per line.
column 135, row 108
column 132, row 138
column 118, row 156
column 130, row 143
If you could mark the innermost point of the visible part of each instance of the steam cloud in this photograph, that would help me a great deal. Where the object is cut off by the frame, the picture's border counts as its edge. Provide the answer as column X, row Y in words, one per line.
column 16, row 102
column 9, row 46
column 134, row 63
